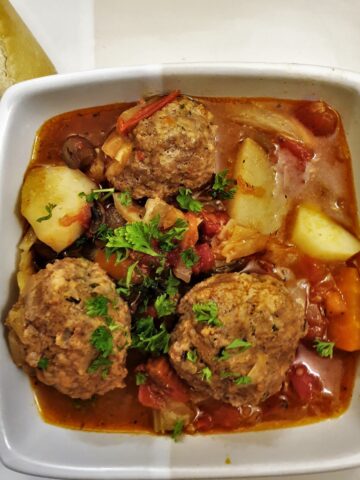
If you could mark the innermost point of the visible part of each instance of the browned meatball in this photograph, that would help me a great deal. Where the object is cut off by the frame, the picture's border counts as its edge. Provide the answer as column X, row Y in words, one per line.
column 173, row 148
column 240, row 353
column 53, row 323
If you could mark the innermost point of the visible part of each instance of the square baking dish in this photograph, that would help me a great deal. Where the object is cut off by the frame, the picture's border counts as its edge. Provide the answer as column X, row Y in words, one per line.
column 27, row 443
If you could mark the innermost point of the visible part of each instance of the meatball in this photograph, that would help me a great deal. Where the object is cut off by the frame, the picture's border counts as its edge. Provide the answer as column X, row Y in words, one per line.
column 241, row 348
column 51, row 329
column 173, row 148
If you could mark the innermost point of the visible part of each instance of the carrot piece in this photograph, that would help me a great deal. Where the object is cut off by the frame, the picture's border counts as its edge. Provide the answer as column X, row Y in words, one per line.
column 123, row 126
column 344, row 327
column 116, row 270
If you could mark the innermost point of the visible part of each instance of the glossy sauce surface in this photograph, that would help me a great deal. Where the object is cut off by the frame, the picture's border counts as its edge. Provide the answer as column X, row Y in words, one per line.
column 120, row 410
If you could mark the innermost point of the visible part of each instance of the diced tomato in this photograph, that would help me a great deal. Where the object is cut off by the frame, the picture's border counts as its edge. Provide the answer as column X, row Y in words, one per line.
column 316, row 321
column 204, row 422
column 117, row 270
column 83, row 217
column 318, row 117
column 191, row 235
column 222, row 415
column 150, row 397
column 213, row 222
column 299, row 150
column 305, row 384
column 173, row 257
column 206, row 260
column 164, row 377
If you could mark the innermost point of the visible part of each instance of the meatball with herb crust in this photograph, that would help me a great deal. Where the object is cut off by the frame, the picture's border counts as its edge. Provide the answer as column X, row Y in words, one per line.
column 237, row 336
column 173, row 148
column 71, row 329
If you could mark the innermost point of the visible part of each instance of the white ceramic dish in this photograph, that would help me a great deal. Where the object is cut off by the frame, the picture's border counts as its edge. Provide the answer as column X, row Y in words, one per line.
column 27, row 444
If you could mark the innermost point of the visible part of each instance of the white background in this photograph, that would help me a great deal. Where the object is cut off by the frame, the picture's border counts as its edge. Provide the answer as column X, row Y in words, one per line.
column 86, row 34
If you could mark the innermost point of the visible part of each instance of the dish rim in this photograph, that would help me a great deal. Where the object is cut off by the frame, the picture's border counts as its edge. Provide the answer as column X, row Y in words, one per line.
column 281, row 71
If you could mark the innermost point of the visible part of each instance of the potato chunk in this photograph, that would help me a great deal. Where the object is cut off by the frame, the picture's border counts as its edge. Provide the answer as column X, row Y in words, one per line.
column 50, row 202
column 257, row 204
column 320, row 237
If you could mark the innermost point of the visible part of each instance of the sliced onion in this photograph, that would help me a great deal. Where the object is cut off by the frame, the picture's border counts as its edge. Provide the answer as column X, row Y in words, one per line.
column 155, row 207
column 266, row 119
column 26, row 266
column 131, row 213
column 166, row 418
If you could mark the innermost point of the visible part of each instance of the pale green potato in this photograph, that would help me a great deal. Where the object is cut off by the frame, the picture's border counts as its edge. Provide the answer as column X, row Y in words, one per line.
column 58, row 188
column 255, row 204
column 320, row 237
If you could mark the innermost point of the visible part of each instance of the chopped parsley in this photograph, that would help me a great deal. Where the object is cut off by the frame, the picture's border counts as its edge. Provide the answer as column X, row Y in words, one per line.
column 207, row 313
column 324, row 349
column 206, row 374
column 97, row 306
column 191, row 355
column 148, row 338
column 237, row 378
column 101, row 339
column 103, row 232
column 178, row 430
column 223, row 187
column 238, row 343
column 172, row 285
column 125, row 198
column 43, row 363
column 189, row 257
column 140, row 237
column 124, row 287
column 176, row 232
column 186, row 201
column 97, row 194
column 140, row 378
column 164, row 305
column 100, row 363
column 49, row 208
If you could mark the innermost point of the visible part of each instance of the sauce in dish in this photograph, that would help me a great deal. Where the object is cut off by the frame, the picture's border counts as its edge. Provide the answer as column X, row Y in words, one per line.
column 189, row 265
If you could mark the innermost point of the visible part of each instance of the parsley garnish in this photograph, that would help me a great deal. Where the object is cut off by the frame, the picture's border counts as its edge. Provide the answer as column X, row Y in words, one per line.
column 189, row 257
column 102, row 363
column 164, row 306
column 237, row 343
column 137, row 236
column 172, row 285
column 102, row 340
column 178, row 430
column 223, row 187
column 43, row 363
column 140, row 378
column 49, row 208
column 104, row 193
column 124, row 287
column 125, row 198
column 103, row 232
column 207, row 313
column 191, row 355
column 186, row 201
column 176, row 232
column 324, row 349
column 97, row 306
column 237, row 378
column 206, row 374
column 150, row 339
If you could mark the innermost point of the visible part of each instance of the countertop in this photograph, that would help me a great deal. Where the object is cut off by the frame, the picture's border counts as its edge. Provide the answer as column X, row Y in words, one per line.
column 87, row 34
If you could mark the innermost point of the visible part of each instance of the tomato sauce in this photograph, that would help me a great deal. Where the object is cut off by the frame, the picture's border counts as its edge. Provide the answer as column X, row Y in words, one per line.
column 309, row 393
